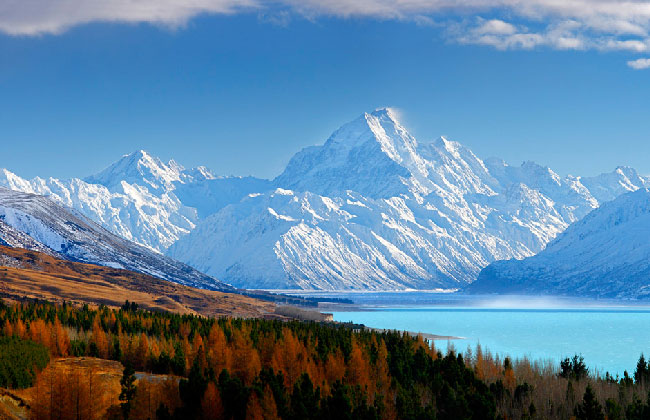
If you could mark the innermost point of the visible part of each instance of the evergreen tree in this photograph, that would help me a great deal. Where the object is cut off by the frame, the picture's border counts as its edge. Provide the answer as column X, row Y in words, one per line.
column 642, row 372
column 590, row 409
column 192, row 391
column 574, row 368
column 128, row 389
column 20, row 361
column 613, row 409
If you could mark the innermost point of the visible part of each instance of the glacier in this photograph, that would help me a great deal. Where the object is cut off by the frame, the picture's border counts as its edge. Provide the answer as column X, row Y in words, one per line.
column 370, row 209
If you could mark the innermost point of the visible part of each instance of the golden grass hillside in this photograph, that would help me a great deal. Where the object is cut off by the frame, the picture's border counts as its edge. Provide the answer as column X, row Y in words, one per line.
column 34, row 275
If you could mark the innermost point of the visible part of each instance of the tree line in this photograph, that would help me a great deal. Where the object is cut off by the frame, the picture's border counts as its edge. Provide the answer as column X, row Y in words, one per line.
column 267, row 369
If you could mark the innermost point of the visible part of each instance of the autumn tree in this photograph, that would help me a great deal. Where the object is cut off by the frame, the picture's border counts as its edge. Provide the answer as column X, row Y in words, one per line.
column 254, row 408
column 142, row 352
column 219, row 354
column 211, row 404
column 246, row 361
column 99, row 340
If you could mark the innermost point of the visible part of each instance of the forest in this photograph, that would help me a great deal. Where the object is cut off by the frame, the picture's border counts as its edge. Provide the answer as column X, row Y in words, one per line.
column 99, row 363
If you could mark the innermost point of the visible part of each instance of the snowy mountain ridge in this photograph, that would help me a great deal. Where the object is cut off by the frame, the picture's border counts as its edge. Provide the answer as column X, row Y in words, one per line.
column 137, row 197
column 371, row 208
column 606, row 254
column 38, row 223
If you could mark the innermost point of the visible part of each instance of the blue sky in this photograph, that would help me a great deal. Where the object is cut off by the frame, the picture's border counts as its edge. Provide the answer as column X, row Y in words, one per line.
column 242, row 91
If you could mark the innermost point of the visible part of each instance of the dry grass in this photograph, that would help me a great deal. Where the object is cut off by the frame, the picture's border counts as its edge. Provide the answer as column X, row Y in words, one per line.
column 33, row 275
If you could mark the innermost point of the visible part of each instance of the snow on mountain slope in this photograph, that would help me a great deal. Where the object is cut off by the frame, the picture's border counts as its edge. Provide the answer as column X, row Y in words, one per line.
column 137, row 197
column 374, row 209
column 74, row 237
column 606, row 254
column 606, row 187
column 17, row 239
column 139, row 168
column 573, row 200
column 310, row 241
column 373, row 155
column 208, row 196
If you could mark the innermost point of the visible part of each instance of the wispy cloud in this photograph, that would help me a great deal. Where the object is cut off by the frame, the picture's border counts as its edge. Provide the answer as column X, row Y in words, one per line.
column 520, row 24
column 503, row 35
column 640, row 64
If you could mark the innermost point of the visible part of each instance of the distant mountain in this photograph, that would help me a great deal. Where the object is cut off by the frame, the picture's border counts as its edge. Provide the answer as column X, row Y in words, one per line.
column 38, row 223
column 370, row 209
column 142, row 198
column 374, row 209
column 606, row 254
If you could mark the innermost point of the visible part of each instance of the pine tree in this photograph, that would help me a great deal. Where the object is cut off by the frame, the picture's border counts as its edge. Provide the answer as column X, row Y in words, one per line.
column 642, row 373
column 128, row 389
column 590, row 409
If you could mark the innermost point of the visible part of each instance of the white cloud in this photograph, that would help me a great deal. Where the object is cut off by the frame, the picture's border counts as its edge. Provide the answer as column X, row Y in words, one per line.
column 505, row 36
column 633, row 45
column 558, row 24
column 281, row 18
column 496, row 27
column 35, row 17
column 640, row 64
column 30, row 17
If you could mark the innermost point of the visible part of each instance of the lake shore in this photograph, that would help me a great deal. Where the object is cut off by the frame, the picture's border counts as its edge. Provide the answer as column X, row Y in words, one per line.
column 426, row 336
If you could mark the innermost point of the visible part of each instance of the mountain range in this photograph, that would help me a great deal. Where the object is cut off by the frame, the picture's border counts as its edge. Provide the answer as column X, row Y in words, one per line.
column 370, row 209
column 606, row 254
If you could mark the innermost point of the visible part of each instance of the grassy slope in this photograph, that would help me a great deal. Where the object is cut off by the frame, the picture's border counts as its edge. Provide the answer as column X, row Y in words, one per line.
column 35, row 275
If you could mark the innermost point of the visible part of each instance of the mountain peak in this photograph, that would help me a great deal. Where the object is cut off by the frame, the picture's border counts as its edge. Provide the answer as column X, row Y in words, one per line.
column 139, row 154
column 385, row 112
column 372, row 154
column 139, row 168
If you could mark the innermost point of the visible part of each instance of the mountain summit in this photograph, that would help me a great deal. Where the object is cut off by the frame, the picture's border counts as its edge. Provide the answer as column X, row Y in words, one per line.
column 139, row 167
column 373, row 155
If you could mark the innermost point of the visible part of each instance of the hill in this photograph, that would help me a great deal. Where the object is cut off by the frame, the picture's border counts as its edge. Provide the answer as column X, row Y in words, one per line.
column 41, row 223
column 35, row 275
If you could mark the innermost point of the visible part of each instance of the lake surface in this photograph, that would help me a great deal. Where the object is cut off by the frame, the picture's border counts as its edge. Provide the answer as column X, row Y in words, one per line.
column 610, row 335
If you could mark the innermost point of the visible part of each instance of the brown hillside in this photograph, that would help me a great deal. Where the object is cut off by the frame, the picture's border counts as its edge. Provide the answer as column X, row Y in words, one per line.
column 34, row 275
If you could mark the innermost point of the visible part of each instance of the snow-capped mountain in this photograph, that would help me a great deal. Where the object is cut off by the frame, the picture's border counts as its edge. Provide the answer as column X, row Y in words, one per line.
column 139, row 197
column 374, row 209
column 606, row 254
column 371, row 208
column 35, row 222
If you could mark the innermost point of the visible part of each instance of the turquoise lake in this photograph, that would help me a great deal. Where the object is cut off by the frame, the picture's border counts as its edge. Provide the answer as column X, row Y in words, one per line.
column 610, row 335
